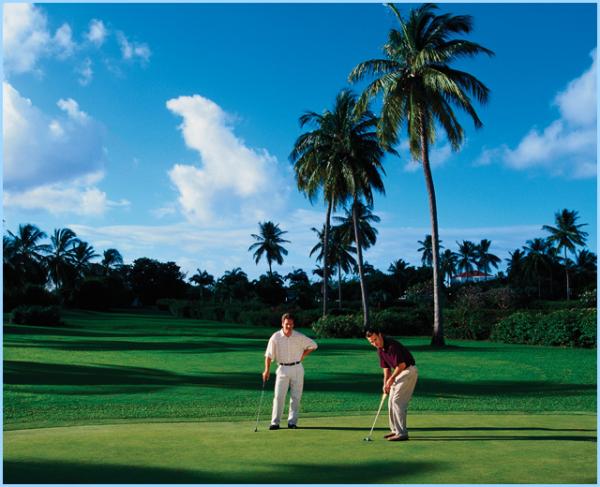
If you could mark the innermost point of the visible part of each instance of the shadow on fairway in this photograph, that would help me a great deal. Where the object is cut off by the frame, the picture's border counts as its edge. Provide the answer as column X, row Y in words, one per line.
column 71, row 472
column 47, row 374
column 507, row 438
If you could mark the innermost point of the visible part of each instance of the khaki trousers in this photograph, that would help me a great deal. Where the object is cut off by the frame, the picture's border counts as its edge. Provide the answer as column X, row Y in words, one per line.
column 400, row 394
column 288, row 377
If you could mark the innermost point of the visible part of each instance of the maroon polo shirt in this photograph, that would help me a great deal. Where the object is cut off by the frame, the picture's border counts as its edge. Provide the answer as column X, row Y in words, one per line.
column 394, row 353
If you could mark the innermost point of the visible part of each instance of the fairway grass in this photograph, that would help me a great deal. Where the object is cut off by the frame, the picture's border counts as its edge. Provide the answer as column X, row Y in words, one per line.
column 444, row 448
column 149, row 398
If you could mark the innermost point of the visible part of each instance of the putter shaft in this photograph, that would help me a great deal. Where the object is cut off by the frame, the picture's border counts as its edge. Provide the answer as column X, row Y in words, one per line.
column 368, row 438
column 262, row 393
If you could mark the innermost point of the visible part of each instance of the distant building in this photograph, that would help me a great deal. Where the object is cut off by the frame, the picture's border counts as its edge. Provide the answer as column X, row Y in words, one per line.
column 472, row 276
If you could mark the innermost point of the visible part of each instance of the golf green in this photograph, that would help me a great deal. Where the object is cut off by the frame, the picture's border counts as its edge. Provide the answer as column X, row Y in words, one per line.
column 443, row 448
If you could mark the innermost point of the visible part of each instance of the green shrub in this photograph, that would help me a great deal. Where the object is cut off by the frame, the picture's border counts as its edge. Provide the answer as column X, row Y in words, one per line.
column 36, row 315
column 264, row 317
column 588, row 298
column 339, row 327
column 405, row 322
column 307, row 317
column 574, row 328
column 470, row 325
column 500, row 297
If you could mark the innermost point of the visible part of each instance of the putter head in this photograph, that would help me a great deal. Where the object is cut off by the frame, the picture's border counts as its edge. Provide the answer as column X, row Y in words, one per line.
column 368, row 438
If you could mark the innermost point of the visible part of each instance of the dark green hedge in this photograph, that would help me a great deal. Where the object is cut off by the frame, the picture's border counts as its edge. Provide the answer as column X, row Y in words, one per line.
column 36, row 315
column 572, row 328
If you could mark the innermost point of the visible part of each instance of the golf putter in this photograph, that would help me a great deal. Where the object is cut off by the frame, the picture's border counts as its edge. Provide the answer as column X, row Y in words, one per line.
column 262, row 393
column 368, row 438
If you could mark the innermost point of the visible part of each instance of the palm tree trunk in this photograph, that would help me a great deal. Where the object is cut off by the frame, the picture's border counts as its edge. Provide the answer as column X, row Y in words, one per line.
column 567, row 273
column 363, row 286
column 270, row 270
column 339, row 286
column 437, row 340
column 325, row 252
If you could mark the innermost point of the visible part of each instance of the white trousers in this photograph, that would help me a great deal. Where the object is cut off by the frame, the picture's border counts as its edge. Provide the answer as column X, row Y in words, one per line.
column 400, row 394
column 288, row 377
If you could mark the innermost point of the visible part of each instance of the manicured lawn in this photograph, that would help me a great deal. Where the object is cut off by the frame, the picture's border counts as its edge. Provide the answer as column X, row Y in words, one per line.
column 160, row 399
column 132, row 366
column 444, row 448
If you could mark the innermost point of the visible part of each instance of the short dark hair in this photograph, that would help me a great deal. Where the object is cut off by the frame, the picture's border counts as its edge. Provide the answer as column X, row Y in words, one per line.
column 372, row 331
column 287, row 316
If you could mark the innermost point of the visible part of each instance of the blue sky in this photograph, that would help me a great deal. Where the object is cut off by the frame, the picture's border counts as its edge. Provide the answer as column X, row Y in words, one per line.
column 164, row 130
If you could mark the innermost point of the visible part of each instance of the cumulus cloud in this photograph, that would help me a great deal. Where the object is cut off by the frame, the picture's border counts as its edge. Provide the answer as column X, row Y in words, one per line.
column 41, row 149
column 567, row 146
column 25, row 37
column 63, row 41
column 97, row 32
column 133, row 50
column 229, row 170
column 52, row 163
column 60, row 199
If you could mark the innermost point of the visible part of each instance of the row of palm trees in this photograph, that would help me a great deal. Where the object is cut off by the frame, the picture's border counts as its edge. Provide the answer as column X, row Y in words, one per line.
column 28, row 259
column 340, row 157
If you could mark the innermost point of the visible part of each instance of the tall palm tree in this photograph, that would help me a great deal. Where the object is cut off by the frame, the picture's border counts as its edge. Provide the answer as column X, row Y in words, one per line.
column 81, row 256
column 202, row 279
column 25, row 243
column 448, row 263
column 268, row 243
column 317, row 162
column 426, row 248
column 536, row 256
column 349, row 162
column 62, row 242
column 341, row 256
column 399, row 271
column 365, row 216
column 23, row 254
column 567, row 235
column 419, row 89
column 111, row 258
column 485, row 259
column 515, row 266
column 466, row 256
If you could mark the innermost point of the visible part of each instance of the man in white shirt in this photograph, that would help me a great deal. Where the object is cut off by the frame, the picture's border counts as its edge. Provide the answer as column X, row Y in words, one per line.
column 288, row 347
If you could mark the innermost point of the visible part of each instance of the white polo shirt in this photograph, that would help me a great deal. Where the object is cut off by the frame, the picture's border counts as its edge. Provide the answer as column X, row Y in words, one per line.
column 287, row 350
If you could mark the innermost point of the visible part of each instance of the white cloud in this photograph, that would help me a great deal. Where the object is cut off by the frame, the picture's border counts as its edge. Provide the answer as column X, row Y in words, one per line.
column 231, row 174
column 577, row 103
column 41, row 149
column 85, row 72
column 71, row 107
column 567, row 146
column 132, row 50
column 60, row 199
column 63, row 41
column 25, row 37
column 97, row 33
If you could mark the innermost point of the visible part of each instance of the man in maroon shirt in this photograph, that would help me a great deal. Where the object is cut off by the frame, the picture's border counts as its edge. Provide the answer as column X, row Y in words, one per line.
column 399, row 380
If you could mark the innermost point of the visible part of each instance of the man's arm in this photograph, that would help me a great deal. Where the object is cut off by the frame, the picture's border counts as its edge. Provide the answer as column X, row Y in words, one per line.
column 306, row 352
column 386, row 376
column 389, row 380
column 267, row 371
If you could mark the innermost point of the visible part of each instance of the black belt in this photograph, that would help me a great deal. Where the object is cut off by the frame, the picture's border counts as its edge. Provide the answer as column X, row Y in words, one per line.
column 292, row 363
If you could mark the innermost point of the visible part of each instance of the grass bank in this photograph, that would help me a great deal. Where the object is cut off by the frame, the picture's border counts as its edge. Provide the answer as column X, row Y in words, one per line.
column 107, row 367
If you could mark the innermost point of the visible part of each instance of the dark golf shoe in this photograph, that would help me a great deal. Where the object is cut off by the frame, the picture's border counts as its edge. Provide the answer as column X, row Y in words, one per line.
column 389, row 435
column 398, row 438
column 274, row 427
column 292, row 426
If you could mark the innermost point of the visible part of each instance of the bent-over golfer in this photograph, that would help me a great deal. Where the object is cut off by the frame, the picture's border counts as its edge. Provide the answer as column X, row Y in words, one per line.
column 289, row 348
column 399, row 380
